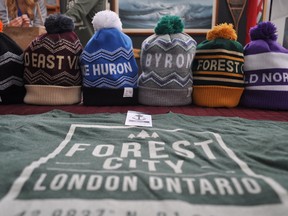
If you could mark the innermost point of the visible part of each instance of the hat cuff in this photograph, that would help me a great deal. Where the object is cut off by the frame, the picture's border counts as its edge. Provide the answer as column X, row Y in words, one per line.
column 276, row 100
column 52, row 95
column 216, row 96
column 108, row 97
column 164, row 97
column 12, row 95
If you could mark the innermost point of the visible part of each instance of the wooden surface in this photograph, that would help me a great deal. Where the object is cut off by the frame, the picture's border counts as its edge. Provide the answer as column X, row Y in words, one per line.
column 253, row 114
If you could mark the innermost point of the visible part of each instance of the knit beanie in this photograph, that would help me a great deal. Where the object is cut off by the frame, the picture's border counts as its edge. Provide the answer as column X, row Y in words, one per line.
column 11, row 70
column 52, row 71
column 109, row 68
column 265, row 69
column 217, row 69
column 166, row 58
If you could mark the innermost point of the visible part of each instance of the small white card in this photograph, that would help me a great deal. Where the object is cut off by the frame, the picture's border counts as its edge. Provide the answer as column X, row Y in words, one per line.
column 128, row 92
column 134, row 118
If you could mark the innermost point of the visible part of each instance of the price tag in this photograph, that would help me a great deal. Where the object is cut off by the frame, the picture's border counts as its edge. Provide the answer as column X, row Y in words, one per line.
column 134, row 118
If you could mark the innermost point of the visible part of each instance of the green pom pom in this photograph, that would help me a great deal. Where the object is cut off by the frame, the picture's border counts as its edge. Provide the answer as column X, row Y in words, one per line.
column 169, row 25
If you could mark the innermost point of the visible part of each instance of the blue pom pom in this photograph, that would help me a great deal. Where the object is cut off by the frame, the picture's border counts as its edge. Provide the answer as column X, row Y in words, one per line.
column 264, row 31
column 58, row 23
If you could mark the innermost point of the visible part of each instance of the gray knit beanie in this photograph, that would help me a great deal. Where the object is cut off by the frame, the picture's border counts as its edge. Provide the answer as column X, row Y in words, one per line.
column 166, row 58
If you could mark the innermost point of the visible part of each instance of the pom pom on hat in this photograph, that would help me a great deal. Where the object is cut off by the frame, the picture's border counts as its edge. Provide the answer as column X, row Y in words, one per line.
column 169, row 25
column 1, row 26
column 58, row 23
column 224, row 30
column 264, row 31
column 106, row 19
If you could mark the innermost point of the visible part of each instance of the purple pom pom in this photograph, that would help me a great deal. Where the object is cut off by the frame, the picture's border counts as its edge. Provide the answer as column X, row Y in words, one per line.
column 264, row 31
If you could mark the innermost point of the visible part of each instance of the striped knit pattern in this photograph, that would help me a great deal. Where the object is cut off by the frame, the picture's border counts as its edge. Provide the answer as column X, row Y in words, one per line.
column 8, row 61
column 109, row 69
column 52, row 71
column 163, row 82
column 115, row 69
column 54, row 46
column 178, row 77
column 11, row 71
column 167, row 45
column 114, row 84
column 10, row 81
column 166, row 70
column 270, row 75
column 11, row 57
column 108, row 62
column 64, row 78
column 53, row 61
column 218, row 73
column 108, row 55
column 218, row 67
column 266, row 76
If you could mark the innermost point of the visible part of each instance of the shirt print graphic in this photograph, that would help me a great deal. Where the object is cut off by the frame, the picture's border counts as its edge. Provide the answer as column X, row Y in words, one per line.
column 141, row 171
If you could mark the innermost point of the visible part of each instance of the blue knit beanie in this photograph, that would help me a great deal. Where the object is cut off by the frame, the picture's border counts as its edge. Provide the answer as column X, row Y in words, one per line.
column 110, row 71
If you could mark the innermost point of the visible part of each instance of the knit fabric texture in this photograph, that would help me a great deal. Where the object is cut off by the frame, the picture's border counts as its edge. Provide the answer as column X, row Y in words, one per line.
column 109, row 68
column 217, row 69
column 52, row 71
column 266, row 70
column 12, row 89
column 166, row 58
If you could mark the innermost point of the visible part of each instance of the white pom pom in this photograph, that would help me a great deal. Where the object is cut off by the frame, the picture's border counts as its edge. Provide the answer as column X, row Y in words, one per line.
column 106, row 19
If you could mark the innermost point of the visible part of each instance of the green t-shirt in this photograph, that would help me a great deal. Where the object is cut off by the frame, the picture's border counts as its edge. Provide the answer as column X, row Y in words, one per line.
column 60, row 163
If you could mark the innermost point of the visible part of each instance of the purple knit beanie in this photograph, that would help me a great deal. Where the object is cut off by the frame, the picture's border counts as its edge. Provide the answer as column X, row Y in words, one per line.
column 265, row 69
